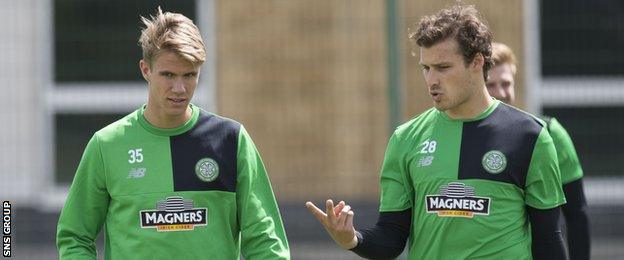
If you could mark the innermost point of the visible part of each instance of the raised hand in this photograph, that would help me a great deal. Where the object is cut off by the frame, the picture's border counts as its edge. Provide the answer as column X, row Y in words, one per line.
column 338, row 222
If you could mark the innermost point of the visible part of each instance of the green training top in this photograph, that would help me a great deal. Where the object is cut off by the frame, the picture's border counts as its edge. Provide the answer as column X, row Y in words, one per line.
column 199, row 191
column 468, row 182
column 569, row 164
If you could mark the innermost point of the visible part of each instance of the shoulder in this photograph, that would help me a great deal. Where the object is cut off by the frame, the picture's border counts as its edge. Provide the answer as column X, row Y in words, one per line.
column 212, row 123
column 547, row 119
column 509, row 117
column 118, row 128
column 559, row 134
column 417, row 124
column 552, row 124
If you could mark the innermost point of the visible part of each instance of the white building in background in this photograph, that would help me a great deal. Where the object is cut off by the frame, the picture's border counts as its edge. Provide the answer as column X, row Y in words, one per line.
column 32, row 99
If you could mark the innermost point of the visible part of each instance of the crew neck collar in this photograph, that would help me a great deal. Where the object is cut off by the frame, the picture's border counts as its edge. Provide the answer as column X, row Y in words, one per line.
column 169, row 131
column 482, row 115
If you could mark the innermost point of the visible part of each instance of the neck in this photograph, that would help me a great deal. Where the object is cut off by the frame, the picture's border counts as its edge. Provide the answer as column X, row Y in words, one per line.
column 162, row 120
column 474, row 106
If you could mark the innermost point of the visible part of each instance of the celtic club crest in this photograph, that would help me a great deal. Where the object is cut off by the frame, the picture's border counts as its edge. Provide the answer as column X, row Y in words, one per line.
column 494, row 162
column 207, row 169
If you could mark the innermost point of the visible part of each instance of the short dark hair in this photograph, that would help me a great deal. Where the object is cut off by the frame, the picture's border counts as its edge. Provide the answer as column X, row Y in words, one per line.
column 465, row 24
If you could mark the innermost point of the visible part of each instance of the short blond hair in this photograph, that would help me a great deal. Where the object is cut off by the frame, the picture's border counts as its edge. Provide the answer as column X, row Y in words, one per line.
column 502, row 54
column 171, row 32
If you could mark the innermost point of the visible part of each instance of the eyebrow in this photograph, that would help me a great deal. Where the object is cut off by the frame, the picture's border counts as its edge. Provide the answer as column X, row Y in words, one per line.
column 444, row 63
column 164, row 72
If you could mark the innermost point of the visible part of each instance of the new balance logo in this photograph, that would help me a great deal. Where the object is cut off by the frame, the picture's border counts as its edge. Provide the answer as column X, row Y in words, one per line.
column 136, row 173
column 425, row 161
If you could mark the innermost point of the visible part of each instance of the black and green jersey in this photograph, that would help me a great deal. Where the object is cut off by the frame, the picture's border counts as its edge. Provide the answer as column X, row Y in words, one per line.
column 199, row 191
column 468, row 182
column 569, row 164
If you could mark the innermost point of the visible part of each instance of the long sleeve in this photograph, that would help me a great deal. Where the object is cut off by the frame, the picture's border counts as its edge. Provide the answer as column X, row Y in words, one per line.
column 577, row 221
column 85, row 209
column 547, row 242
column 262, row 231
column 385, row 240
column 544, row 195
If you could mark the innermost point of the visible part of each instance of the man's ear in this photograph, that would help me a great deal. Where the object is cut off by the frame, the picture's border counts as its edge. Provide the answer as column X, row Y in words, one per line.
column 478, row 61
column 145, row 69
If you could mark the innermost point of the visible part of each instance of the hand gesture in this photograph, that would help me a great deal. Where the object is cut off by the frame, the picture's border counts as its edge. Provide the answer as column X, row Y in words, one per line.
column 338, row 221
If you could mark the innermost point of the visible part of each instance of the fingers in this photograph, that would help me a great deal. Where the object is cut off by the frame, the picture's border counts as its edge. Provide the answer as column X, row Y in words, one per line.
column 339, row 207
column 349, row 222
column 342, row 216
column 337, row 221
column 334, row 217
column 318, row 213
column 329, row 210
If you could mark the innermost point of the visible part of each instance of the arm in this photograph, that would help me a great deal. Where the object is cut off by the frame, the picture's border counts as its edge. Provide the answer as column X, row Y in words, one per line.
column 396, row 196
column 85, row 208
column 385, row 240
column 577, row 221
column 547, row 242
column 262, row 231
column 543, row 196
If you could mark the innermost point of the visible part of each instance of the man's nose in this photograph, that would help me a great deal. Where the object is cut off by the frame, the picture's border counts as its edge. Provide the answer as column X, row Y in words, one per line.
column 178, row 86
column 499, row 92
column 431, row 78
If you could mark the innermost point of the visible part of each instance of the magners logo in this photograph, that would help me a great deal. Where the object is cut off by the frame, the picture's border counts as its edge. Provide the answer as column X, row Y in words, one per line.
column 174, row 214
column 457, row 200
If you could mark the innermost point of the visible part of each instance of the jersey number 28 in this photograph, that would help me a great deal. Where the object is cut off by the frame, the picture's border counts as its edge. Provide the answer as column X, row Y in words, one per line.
column 429, row 146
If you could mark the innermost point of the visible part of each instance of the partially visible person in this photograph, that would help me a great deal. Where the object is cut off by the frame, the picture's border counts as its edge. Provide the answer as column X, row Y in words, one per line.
column 170, row 180
column 500, row 85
